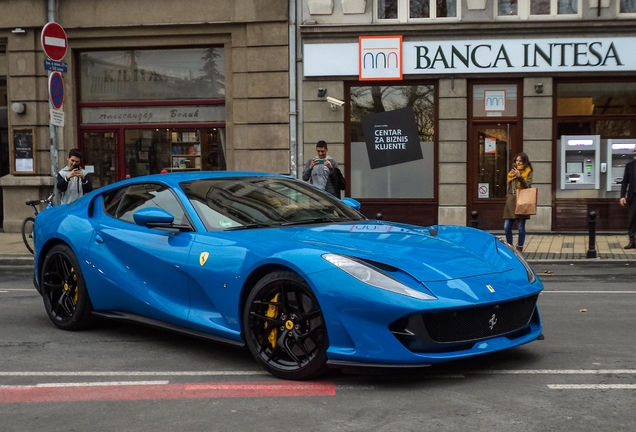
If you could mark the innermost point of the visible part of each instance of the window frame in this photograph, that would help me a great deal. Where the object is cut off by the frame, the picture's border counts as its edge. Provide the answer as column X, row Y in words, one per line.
column 523, row 12
column 623, row 15
column 403, row 13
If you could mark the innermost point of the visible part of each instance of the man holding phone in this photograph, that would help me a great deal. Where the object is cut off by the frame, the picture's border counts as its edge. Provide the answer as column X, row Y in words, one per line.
column 319, row 169
column 72, row 183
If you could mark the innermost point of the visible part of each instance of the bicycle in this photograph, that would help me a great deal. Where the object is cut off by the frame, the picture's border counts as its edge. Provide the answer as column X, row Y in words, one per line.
column 27, row 224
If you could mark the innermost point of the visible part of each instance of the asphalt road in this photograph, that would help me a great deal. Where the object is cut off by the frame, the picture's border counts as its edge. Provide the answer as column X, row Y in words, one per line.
column 117, row 377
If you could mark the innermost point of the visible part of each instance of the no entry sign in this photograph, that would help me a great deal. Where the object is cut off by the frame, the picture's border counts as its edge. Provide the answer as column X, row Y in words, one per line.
column 54, row 41
column 56, row 89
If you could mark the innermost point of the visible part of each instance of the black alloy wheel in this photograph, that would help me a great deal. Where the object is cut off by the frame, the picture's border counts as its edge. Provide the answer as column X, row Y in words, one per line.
column 284, row 327
column 64, row 292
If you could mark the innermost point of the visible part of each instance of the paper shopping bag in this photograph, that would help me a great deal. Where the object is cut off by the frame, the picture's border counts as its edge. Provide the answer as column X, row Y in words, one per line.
column 527, row 201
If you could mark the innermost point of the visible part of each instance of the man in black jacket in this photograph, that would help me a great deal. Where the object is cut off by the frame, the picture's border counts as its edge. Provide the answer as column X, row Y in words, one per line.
column 628, row 197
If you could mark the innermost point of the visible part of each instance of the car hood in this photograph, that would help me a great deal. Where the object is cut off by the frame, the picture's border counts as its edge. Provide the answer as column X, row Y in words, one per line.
column 435, row 253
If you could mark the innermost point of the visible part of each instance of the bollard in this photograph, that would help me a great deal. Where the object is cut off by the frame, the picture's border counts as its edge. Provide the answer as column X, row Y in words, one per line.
column 591, row 252
column 474, row 222
column 378, row 216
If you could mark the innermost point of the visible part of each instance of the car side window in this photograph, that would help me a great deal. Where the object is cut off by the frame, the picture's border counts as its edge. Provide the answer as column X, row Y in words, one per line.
column 122, row 203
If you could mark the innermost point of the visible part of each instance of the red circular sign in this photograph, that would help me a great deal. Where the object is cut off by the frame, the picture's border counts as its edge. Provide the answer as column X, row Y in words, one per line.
column 54, row 41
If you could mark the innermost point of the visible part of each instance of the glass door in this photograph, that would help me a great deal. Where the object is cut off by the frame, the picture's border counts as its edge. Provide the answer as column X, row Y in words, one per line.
column 492, row 146
column 100, row 152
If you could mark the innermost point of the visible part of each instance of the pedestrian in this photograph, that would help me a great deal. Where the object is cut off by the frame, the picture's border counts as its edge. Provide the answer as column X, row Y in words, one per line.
column 72, row 182
column 319, row 169
column 519, row 177
column 628, row 197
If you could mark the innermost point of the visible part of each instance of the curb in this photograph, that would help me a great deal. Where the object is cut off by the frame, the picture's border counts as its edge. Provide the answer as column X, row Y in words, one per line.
column 21, row 260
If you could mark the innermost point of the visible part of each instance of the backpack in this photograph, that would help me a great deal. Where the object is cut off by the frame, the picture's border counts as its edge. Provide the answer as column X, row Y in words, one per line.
column 338, row 179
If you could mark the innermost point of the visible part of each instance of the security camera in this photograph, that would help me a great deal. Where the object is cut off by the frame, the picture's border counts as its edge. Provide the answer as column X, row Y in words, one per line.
column 334, row 102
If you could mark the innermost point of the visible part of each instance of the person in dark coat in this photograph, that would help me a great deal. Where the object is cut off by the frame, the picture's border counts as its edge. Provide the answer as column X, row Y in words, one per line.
column 628, row 197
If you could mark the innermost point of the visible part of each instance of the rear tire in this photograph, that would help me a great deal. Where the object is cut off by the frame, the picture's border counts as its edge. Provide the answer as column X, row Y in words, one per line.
column 27, row 233
column 64, row 292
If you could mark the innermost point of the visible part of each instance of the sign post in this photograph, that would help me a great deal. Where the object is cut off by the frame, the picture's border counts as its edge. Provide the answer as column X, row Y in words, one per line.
column 55, row 45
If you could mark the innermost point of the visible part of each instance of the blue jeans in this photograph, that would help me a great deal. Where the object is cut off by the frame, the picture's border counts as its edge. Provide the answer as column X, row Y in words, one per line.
column 521, row 226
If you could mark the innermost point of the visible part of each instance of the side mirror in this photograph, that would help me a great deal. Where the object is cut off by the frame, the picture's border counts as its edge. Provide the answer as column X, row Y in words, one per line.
column 351, row 203
column 153, row 217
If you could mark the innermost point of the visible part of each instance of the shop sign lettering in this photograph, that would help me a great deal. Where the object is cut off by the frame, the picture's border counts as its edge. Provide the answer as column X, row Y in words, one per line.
column 137, row 115
column 486, row 56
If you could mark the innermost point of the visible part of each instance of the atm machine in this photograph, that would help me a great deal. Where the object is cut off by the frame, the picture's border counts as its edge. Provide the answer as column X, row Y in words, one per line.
column 580, row 162
column 619, row 152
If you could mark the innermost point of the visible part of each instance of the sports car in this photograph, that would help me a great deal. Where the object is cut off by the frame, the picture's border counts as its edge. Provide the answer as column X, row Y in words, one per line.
column 301, row 278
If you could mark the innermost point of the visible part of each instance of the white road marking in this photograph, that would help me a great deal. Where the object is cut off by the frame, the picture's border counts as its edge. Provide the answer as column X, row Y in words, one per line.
column 554, row 372
column 87, row 384
column 454, row 374
column 592, row 386
column 140, row 373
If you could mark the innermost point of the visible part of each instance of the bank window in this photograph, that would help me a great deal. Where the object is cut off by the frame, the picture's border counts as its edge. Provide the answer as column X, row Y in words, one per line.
column 413, row 10
column 596, row 99
column 162, row 74
column 392, row 150
column 538, row 9
column 627, row 7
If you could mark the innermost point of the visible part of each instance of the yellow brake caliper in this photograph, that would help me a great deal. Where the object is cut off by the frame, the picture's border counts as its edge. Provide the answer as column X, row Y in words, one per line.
column 272, row 312
column 75, row 293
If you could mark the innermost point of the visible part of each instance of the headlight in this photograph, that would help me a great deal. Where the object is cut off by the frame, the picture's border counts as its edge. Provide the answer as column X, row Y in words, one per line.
column 373, row 277
column 531, row 276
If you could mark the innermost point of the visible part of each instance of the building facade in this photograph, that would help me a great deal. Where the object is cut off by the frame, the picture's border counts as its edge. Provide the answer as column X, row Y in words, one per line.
column 424, row 104
column 480, row 81
column 147, row 86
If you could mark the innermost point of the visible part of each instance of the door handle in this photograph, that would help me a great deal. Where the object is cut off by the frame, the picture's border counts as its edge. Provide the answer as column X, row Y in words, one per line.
column 99, row 239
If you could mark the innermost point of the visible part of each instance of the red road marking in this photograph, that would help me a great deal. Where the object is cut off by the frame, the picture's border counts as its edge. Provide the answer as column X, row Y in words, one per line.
column 22, row 394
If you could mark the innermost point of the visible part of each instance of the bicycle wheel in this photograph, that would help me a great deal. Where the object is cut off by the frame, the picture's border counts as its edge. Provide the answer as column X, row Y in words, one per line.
column 27, row 233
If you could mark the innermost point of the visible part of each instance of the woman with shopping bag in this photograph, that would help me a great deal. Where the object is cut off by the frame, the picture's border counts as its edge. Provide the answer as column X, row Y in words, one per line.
column 519, row 178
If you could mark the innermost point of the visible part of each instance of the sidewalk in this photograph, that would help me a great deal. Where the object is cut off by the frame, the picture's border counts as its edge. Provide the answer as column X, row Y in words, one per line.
column 539, row 248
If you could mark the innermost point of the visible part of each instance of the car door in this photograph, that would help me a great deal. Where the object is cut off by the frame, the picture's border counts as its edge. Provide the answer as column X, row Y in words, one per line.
column 141, row 270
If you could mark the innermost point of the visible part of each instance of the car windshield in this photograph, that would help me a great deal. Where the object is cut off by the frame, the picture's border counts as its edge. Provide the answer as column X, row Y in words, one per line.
column 250, row 202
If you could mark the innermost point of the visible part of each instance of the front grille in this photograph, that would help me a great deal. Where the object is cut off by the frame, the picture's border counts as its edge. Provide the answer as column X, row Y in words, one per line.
column 454, row 330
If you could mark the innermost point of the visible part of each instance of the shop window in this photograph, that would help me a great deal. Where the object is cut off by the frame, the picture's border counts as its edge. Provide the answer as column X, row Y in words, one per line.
column 538, row 9
column 170, row 74
column 627, row 7
column 388, row 162
column 151, row 151
column 586, row 99
column 409, row 10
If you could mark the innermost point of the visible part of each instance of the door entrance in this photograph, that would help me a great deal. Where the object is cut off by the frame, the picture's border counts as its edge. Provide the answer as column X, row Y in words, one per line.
column 491, row 149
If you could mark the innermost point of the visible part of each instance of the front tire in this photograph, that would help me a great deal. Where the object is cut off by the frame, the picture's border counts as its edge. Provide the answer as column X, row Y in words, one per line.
column 284, row 327
column 64, row 292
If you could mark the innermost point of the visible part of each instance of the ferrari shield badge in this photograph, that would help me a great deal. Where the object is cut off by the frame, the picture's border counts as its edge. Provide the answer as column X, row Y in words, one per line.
column 490, row 288
column 203, row 258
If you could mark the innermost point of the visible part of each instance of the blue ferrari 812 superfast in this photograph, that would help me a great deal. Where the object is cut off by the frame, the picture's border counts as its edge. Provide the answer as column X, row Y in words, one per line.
column 299, row 277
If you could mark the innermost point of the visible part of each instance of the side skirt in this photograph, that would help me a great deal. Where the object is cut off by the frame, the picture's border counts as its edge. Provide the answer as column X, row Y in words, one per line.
column 137, row 319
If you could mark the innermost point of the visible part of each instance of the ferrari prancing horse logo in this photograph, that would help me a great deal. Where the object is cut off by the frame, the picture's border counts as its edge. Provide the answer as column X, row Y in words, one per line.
column 203, row 258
